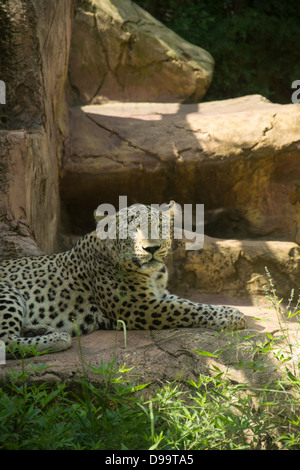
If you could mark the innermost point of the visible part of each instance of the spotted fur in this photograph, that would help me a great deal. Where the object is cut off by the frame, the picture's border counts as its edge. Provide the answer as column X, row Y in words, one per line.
column 97, row 282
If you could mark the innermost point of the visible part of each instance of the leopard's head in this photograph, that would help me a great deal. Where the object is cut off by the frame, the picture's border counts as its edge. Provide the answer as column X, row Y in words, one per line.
column 138, row 237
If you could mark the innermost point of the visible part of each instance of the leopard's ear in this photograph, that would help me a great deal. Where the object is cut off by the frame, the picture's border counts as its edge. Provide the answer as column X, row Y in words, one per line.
column 175, row 213
column 174, row 208
column 169, row 208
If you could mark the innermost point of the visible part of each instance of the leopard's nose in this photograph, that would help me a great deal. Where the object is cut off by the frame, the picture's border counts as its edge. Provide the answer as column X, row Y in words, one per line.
column 151, row 249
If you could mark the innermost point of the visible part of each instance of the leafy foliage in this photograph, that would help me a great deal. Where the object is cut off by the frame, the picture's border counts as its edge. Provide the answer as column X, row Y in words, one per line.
column 255, row 44
column 212, row 413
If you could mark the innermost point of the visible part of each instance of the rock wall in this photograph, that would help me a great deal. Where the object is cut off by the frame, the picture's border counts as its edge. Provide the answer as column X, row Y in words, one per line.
column 35, row 39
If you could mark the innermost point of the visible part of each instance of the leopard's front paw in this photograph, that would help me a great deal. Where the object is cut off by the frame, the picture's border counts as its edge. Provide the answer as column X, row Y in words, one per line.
column 30, row 331
column 237, row 320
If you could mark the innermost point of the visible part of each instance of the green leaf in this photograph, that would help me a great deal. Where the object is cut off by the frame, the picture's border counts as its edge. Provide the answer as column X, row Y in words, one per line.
column 292, row 377
column 139, row 387
column 205, row 353
column 269, row 336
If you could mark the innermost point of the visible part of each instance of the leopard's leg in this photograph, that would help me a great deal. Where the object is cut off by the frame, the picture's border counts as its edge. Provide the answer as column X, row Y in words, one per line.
column 12, row 314
column 191, row 314
column 214, row 317
column 222, row 317
column 172, row 311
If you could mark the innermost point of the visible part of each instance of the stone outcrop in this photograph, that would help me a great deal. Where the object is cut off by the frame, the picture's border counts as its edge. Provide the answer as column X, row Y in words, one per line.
column 29, row 200
column 35, row 40
column 238, row 268
column 120, row 52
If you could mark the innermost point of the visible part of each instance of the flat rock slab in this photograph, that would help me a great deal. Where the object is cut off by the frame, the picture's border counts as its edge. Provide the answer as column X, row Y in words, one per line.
column 158, row 357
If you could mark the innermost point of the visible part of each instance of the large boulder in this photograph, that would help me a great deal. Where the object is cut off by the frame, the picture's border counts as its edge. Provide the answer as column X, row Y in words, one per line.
column 120, row 52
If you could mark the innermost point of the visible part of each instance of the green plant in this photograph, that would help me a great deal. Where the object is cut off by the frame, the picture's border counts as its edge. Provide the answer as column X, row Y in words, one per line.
column 290, row 343
column 212, row 414
column 31, row 413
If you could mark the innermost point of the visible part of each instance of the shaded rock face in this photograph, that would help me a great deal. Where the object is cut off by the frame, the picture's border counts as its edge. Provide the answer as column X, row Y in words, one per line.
column 120, row 52
column 29, row 194
column 35, row 41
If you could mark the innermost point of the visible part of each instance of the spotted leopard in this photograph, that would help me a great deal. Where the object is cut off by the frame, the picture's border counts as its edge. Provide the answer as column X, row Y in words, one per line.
column 45, row 300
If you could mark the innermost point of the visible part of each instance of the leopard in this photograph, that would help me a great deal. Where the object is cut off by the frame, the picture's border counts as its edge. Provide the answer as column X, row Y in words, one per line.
column 113, row 277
